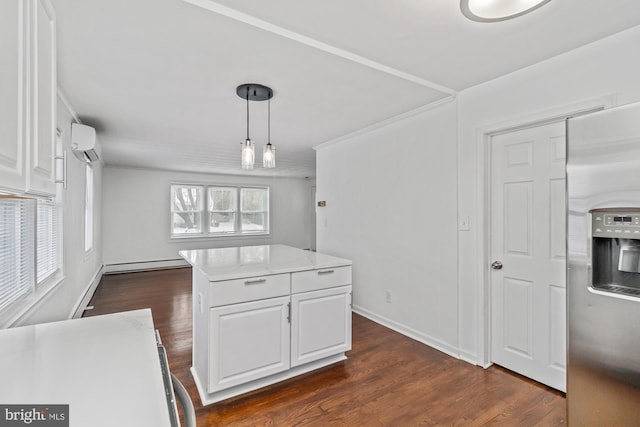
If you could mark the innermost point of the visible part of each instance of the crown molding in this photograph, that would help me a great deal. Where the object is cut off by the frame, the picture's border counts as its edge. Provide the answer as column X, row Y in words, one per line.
column 68, row 106
column 387, row 122
column 311, row 42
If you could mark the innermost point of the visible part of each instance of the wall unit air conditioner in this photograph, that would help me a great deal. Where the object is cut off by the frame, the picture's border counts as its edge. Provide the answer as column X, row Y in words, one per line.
column 83, row 142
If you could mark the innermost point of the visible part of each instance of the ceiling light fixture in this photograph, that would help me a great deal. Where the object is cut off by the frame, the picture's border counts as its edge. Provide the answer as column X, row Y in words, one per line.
column 498, row 10
column 256, row 92
column 269, row 153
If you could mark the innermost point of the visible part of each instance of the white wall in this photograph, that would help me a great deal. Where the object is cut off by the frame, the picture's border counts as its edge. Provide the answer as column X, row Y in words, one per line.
column 609, row 69
column 434, row 271
column 391, row 208
column 79, row 267
column 137, row 214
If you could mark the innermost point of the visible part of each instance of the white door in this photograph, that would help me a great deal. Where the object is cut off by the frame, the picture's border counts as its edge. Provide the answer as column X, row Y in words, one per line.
column 528, row 310
column 248, row 341
column 320, row 324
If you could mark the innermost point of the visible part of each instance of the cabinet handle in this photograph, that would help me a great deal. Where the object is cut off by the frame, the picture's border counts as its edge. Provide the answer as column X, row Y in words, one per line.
column 62, row 181
column 254, row 282
column 326, row 271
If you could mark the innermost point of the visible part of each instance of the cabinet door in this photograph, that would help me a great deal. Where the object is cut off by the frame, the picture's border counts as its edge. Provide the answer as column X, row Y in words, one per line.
column 320, row 324
column 41, row 177
column 13, row 92
column 248, row 341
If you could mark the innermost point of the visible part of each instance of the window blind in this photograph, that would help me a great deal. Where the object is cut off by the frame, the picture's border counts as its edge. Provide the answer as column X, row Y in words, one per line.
column 17, row 241
column 46, row 239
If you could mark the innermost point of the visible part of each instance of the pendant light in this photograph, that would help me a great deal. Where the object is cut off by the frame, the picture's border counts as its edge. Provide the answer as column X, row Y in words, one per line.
column 498, row 10
column 269, row 153
column 248, row 147
column 256, row 92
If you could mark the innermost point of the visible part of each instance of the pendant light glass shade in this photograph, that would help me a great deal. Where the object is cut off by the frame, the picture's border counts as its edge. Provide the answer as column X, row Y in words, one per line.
column 269, row 156
column 248, row 154
column 498, row 10
column 248, row 147
column 269, row 153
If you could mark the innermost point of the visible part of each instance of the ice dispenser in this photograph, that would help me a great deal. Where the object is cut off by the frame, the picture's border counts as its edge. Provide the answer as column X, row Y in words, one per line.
column 615, row 248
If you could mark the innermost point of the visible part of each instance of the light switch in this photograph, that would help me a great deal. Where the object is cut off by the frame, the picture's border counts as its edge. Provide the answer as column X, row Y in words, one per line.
column 464, row 223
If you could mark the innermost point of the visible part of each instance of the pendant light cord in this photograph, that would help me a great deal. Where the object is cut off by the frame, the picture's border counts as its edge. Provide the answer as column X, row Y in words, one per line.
column 269, row 120
column 247, row 112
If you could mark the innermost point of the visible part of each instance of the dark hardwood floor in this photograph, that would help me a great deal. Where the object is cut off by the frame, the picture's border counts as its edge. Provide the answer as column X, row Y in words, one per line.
column 388, row 379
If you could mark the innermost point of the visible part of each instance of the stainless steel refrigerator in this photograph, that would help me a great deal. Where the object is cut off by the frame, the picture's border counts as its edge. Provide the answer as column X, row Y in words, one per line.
column 603, row 268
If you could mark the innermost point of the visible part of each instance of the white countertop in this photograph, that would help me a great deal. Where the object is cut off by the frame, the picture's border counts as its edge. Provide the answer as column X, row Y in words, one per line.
column 252, row 261
column 105, row 367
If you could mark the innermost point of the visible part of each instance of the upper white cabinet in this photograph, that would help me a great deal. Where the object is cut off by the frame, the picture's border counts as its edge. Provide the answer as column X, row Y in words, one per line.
column 13, row 93
column 41, row 176
column 28, row 102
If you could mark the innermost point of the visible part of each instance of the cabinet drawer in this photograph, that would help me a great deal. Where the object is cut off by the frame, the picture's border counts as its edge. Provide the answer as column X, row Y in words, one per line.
column 324, row 278
column 248, row 289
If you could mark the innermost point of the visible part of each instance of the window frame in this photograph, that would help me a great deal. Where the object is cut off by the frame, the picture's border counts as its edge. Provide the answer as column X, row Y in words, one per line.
column 38, row 285
column 206, row 213
column 89, row 209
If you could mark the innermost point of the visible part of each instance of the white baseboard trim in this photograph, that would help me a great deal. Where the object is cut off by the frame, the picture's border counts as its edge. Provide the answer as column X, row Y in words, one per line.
column 80, row 305
column 469, row 357
column 410, row 332
column 128, row 267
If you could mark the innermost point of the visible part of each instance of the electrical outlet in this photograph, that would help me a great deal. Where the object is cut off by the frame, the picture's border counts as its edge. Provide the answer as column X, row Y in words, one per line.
column 387, row 296
column 200, row 303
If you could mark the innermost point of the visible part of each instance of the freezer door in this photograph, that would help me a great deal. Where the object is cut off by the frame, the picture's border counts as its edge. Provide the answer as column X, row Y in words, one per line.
column 603, row 363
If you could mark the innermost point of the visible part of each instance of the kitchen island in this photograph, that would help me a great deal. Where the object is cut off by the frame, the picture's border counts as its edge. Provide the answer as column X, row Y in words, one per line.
column 263, row 314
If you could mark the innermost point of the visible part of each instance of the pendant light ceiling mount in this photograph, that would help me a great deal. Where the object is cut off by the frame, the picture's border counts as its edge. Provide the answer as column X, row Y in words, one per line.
column 254, row 92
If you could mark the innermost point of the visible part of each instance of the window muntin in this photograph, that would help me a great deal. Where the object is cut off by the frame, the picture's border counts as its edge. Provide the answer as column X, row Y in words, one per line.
column 210, row 211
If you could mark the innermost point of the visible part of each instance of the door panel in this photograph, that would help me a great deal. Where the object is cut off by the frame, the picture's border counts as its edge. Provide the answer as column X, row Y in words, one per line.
column 320, row 324
column 518, row 324
column 248, row 341
column 13, row 90
column 528, row 238
column 517, row 218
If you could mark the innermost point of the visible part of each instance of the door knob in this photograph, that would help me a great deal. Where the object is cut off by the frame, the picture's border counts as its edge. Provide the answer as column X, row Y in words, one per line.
column 496, row 265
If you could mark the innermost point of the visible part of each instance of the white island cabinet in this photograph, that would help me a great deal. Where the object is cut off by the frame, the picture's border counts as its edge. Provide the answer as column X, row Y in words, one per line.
column 262, row 314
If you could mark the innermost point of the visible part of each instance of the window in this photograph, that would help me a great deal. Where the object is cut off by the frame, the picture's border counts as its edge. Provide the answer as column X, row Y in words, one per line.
column 230, row 211
column 47, row 239
column 186, row 209
column 254, row 210
column 88, row 209
column 17, row 267
column 29, row 252
column 223, row 207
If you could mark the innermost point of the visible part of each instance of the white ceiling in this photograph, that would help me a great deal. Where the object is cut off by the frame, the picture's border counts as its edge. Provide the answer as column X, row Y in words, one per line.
column 157, row 78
